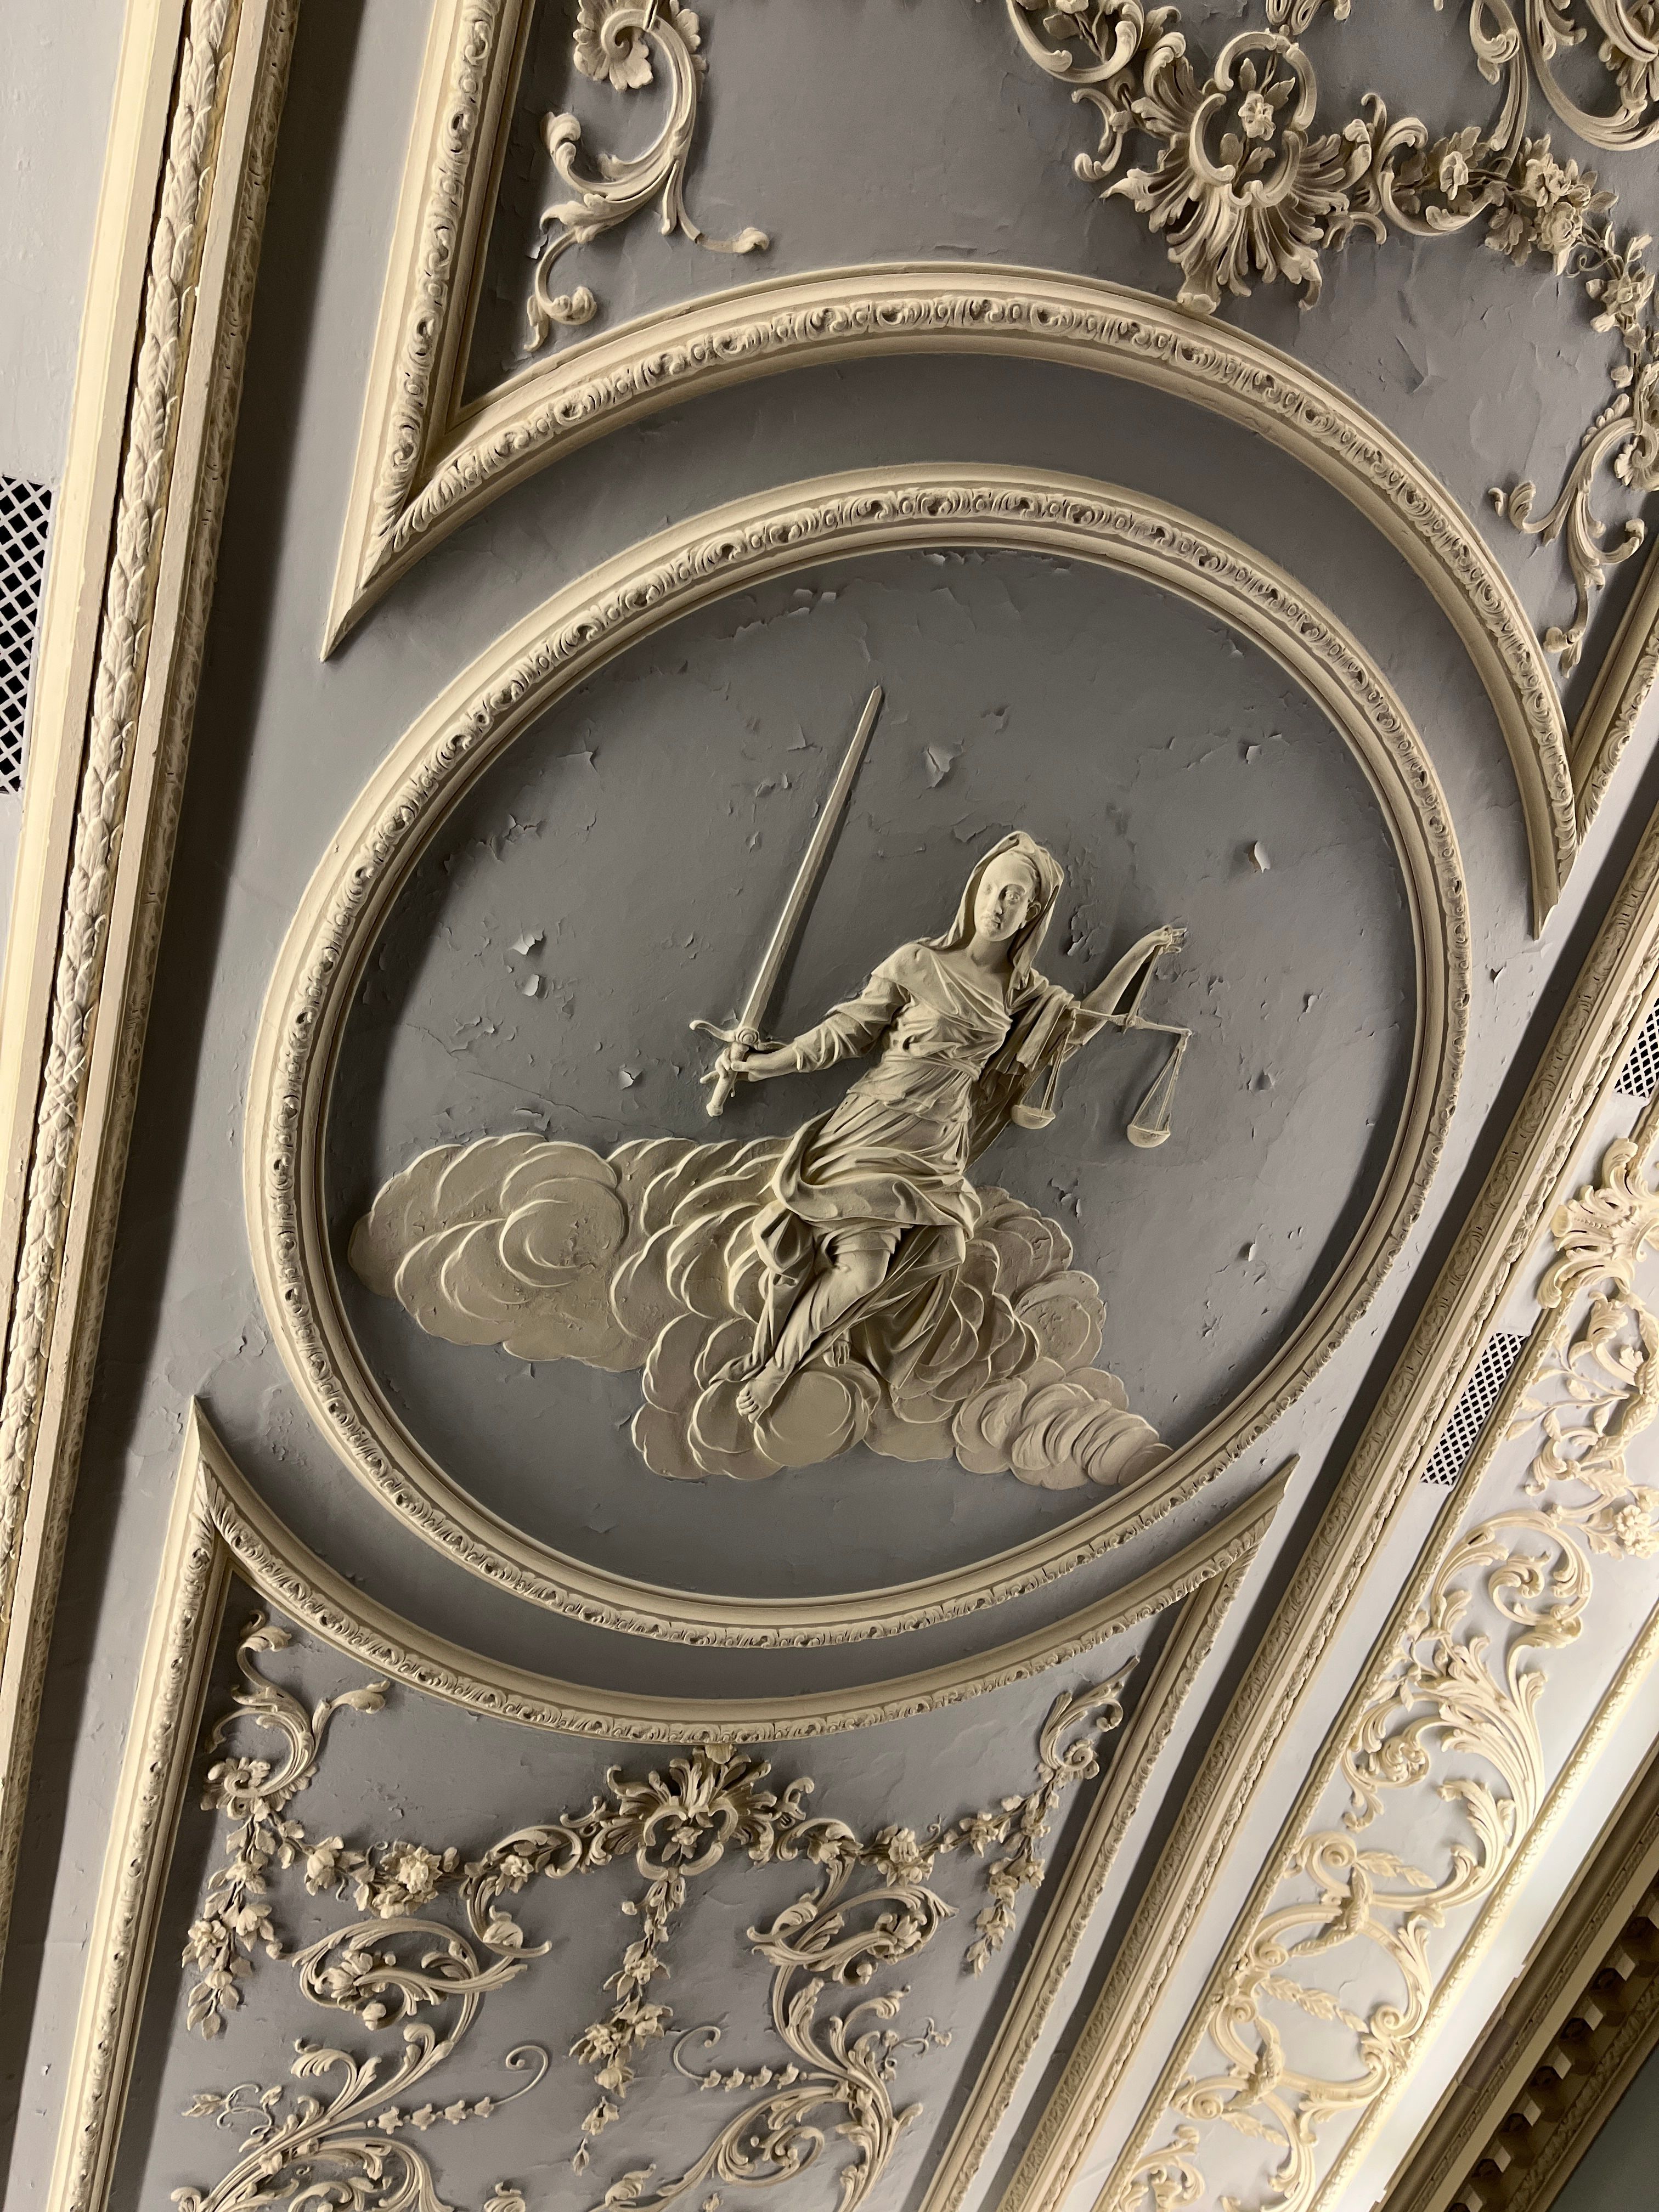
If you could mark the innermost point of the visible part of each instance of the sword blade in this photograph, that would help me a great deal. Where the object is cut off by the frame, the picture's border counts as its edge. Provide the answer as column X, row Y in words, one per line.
column 800, row 892
column 806, row 876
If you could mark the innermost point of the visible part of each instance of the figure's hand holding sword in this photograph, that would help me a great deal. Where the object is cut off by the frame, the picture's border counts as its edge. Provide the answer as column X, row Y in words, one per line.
column 748, row 1058
column 745, row 1048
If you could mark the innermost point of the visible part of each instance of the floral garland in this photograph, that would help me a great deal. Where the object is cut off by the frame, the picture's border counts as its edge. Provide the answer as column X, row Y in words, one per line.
column 1247, row 187
column 396, row 1961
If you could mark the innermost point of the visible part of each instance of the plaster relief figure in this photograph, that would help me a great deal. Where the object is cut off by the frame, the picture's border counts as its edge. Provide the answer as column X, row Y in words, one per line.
column 871, row 1211
column 789, row 1297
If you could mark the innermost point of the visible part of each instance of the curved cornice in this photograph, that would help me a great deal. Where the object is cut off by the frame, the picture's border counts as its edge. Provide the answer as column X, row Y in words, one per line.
column 909, row 307
column 312, row 1593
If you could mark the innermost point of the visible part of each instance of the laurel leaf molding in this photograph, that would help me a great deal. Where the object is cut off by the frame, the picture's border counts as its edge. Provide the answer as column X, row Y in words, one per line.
column 761, row 536
column 220, row 1529
column 1568, row 2040
column 1492, row 1262
column 175, row 252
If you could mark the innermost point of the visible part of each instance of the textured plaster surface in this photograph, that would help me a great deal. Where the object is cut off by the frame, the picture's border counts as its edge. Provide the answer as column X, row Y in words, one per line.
column 907, row 131
column 640, row 841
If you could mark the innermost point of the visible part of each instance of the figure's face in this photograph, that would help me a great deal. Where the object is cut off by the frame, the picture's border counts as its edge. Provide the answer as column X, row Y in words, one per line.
column 1006, row 894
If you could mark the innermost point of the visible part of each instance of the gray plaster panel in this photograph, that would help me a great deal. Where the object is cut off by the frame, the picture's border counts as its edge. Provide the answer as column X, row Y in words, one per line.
column 421, row 1772
column 646, row 833
column 1487, row 372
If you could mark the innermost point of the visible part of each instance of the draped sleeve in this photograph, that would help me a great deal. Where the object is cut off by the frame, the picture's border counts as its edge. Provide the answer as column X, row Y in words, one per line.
column 857, row 1025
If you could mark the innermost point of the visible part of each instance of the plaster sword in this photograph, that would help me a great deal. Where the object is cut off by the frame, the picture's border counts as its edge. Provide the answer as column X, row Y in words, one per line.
column 795, row 908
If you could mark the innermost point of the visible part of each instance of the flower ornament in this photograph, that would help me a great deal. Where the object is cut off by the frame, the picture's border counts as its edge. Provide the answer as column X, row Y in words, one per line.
column 1451, row 168
column 980, row 1830
column 1545, row 206
column 899, row 1857
column 1622, row 291
column 409, row 1875
column 1241, row 187
column 612, row 40
column 1636, row 1526
column 1258, row 116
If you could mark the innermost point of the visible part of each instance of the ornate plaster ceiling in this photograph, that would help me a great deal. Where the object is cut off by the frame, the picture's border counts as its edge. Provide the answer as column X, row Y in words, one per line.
column 1044, row 1622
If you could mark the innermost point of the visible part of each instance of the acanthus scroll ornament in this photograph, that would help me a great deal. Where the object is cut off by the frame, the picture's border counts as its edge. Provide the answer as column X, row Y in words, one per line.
column 613, row 44
column 1247, row 188
column 1452, row 1714
column 399, row 1961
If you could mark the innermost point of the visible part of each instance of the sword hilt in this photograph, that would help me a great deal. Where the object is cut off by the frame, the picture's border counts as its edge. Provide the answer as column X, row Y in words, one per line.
column 739, row 1043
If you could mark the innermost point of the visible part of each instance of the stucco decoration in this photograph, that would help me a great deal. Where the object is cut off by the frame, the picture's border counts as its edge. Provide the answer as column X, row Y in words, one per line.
column 1504, row 1248
column 220, row 1527
column 421, row 474
column 789, row 1297
column 1449, row 1712
column 873, row 1905
column 1580, row 2022
column 1614, row 40
column 426, row 462
column 532, row 1244
column 613, row 44
column 136, row 537
column 1249, row 188
column 317, row 985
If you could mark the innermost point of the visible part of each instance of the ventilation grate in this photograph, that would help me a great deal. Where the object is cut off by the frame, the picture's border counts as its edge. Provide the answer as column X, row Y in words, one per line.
column 1639, row 1076
column 25, row 514
column 1468, row 1416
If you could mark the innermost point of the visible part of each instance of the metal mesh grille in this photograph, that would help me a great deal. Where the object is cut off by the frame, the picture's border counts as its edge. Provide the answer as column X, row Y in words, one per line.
column 25, row 514
column 1468, row 1416
column 1640, row 1072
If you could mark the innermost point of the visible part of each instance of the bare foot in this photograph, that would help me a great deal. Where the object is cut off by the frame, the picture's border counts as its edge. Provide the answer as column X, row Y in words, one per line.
column 758, row 1393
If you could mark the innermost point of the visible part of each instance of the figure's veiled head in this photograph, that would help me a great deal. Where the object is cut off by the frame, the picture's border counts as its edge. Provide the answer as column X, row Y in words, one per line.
column 1010, row 896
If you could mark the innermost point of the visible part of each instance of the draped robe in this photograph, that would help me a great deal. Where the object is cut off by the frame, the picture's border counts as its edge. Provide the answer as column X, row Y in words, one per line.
column 891, row 1160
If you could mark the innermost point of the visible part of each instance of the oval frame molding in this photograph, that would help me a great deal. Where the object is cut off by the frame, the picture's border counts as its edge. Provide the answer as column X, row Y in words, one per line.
column 525, row 673
column 422, row 472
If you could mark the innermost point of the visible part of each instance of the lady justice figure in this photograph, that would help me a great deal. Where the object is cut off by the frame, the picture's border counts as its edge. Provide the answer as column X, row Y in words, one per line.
column 869, row 1210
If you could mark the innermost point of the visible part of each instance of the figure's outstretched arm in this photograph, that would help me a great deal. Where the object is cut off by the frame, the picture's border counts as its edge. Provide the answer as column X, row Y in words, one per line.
column 846, row 1032
column 1105, row 1003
